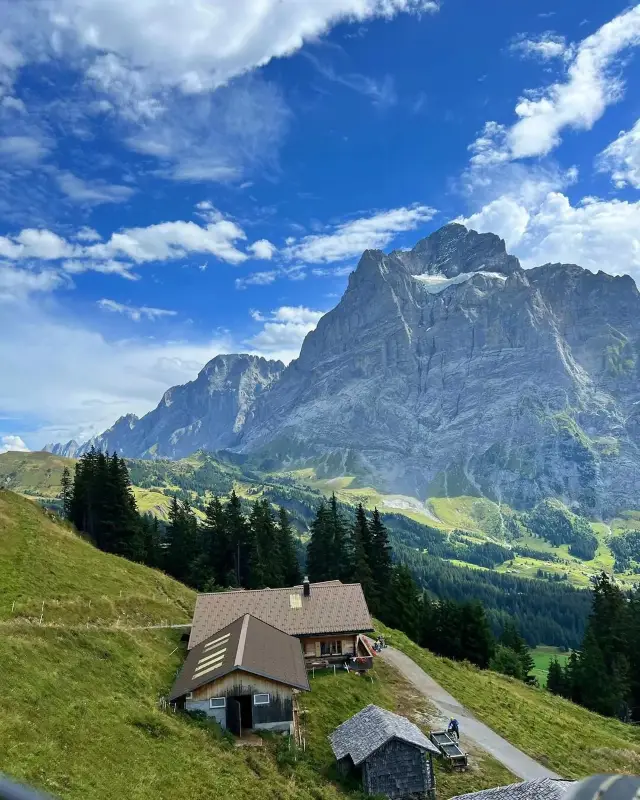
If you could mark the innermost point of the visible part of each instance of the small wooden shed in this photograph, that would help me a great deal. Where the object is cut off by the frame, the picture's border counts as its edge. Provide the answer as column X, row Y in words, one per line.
column 392, row 755
column 244, row 676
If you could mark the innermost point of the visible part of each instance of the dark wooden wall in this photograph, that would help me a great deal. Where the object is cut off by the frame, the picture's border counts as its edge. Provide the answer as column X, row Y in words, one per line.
column 397, row 770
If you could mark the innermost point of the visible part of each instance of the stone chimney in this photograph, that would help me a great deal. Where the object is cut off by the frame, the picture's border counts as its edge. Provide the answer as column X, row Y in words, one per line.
column 306, row 587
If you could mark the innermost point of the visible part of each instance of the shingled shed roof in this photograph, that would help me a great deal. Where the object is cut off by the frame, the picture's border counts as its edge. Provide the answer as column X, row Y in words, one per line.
column 250, row 645
column 372, row 727
column 540, row 789
column 331, row 607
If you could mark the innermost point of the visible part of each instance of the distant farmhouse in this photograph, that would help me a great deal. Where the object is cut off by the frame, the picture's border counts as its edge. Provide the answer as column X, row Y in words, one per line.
column 244, row 676
column 329, row 618
column 391, row 755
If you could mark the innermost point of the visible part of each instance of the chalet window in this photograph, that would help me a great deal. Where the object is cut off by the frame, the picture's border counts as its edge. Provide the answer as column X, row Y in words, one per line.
column 261, row 699
column 189, row 696
column 333, row 647
column 217, row 702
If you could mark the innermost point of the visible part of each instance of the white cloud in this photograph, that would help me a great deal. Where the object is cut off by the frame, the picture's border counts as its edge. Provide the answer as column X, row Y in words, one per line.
column 124, row 249
column 16, row 283
column 83, row 382
column 258, row 279
column 94, row 192
column 12, row 444
column 25, row 150
column 136, row 313
column 263, row 249
column 199, row 46
column 332, row 272
column 596, row 234
column 87, row 234
column 622, row 158
column 283, row 331
column 382, row 93
column 545, row 46
column 591, row 84
column 351, row 238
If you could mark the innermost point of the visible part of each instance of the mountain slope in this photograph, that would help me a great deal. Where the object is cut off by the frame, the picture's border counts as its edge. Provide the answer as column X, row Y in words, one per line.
column 209, row 413
column 449, row 370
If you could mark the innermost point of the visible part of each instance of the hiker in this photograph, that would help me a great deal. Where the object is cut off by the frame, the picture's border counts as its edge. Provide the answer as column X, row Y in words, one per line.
column 454, row 729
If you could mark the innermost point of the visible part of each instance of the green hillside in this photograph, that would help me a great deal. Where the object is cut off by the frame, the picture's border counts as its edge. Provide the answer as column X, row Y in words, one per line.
column 565, row 737
column 80, row 700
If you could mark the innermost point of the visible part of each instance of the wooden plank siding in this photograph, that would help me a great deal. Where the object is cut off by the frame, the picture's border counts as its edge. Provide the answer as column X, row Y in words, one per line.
column 335, row 645
column 277, row 714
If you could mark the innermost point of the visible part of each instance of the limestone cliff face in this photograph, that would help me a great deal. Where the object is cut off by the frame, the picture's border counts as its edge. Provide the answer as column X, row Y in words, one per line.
column 207, row 413
column 450, row 369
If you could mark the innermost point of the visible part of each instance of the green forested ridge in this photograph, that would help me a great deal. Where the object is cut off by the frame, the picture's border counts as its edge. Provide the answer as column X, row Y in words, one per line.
column 604, row 674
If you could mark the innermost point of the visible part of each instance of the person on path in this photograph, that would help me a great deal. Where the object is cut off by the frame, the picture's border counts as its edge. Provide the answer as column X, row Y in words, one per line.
column 454, row 729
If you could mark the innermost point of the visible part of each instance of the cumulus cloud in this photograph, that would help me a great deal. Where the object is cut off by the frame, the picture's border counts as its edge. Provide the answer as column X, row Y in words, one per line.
column 123, row 250
column 16, row 283
column 263, row 249
column 198, row 46
column 591, row 84
column 351, row 238
column 545, row 46
column 92, row 192
column 136, row 313
column 594, row 233
column 12, row 443
column 622, row 158
column 283, row 331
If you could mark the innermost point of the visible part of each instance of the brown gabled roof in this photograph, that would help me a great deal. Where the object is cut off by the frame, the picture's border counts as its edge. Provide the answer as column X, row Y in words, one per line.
column 332, row 607
column 248, row 645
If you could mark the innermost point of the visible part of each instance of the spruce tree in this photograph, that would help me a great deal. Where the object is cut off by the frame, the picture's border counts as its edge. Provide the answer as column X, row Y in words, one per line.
column 265, row 557
column 290, row 567
column 478, row 643
column 380, row 559
column 66, row 493
column 361, row 549
column 403, row 608
column 182, row 536
column 216, row 545
column 555, row 678
column 340, row 564
column 239, row 540
column 320, row 547
column 512, row 639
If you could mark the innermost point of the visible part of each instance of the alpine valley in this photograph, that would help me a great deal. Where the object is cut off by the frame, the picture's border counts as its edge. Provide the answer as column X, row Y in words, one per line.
column 444, row 371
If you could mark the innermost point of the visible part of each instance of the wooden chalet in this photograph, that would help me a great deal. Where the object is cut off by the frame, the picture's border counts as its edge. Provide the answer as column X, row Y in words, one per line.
column 329, row 618
column 244, row 676
column 392, row 755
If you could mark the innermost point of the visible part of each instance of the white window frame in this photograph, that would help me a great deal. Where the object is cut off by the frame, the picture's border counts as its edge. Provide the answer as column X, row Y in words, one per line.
column 216, row 700
column 189, row 696
column 257, row 702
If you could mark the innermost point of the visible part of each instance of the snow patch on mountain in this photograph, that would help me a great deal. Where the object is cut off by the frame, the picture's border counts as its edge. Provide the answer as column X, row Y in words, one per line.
column 435, row 284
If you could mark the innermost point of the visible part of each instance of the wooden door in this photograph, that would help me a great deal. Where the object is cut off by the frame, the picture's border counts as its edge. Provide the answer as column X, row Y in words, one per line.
column 234, row 716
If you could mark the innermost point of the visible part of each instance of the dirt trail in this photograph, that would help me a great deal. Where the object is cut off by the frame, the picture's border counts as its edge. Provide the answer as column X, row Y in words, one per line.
column 472, row 729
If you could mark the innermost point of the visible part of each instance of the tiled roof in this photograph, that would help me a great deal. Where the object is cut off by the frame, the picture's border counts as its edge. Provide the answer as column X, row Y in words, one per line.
column 540, row 789
column 332, row 607
column 372, row 727
column 249, row 645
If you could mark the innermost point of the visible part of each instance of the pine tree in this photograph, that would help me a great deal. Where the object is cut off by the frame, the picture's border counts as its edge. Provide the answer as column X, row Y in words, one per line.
column 507, row 662
column 361, row 550
column 340, row 564
column 240, row 542
column 478, row 643
column 512, row 639
column 66, row 493
column 182, row 536
column 290, row 567
column 320, row 547
column 217, row 548
column 403, row 609
column 265, row 558
column 380, row 559
column 555, row 678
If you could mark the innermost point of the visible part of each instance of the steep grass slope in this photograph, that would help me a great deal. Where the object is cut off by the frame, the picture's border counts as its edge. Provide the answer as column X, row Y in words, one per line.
column 561, row 735
column 42, row 560
column 79, row 708
column 36, row 474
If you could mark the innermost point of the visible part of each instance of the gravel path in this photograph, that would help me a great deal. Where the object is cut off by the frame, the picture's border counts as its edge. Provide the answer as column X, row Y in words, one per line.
column 472, row 729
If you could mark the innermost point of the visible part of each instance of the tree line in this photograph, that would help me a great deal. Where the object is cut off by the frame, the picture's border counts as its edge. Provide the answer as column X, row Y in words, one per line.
column 226, row 549
column 459, row 630
column 604, row 673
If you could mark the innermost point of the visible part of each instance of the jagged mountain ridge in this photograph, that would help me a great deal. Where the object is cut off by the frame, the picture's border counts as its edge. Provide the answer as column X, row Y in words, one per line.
column 450, row 369
column 206, row 413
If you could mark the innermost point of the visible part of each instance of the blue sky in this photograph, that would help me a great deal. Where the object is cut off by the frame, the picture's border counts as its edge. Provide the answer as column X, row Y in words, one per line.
column 180, row 179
